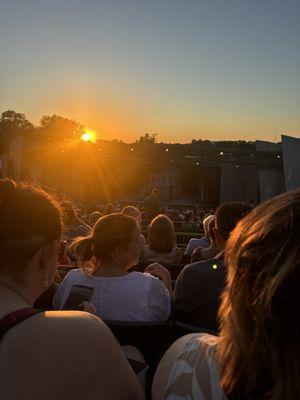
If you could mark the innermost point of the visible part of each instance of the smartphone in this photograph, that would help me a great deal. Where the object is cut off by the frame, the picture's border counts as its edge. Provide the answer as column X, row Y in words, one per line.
column 78, row 295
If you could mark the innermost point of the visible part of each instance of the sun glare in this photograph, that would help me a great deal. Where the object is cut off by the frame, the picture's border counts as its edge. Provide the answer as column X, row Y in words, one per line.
column 88, row 136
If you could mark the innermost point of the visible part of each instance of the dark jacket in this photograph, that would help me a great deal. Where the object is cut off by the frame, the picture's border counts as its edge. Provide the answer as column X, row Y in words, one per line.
column 197, row 293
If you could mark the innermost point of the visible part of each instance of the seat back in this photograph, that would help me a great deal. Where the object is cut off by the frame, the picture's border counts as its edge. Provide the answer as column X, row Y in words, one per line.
column 181, row 328
column 151, row 338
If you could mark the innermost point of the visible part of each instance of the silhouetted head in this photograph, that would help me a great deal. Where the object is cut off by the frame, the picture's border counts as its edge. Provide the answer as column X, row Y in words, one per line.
column 132, row 212
column 30, row 219
column 206, row 222
column 115, row 237
column 109, row 209
column 211, row 228
column 227, row 216
column 161, row 235
column 93, row 217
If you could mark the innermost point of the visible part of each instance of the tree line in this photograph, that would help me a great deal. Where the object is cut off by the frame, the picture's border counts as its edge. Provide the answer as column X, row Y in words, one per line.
column 52, row 128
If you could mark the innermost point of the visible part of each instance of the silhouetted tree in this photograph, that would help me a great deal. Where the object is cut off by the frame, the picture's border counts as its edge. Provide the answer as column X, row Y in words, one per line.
column 55, row 127
column 147, row 139
column 12, row 125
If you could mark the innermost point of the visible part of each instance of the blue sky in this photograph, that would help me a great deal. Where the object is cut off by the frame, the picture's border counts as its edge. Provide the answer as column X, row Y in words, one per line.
column 207, row 69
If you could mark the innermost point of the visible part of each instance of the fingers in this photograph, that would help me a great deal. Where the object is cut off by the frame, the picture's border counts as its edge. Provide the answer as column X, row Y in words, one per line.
column 88, row 307
column 151, row 268
column 156, row 264
column 155, row 267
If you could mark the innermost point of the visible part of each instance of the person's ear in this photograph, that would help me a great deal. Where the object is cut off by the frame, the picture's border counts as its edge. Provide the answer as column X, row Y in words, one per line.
column 118, row 254
column 48, row 252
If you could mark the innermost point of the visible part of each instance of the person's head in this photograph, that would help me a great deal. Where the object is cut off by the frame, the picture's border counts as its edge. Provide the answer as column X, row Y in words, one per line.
column 161, row 235
column 188, row 216
column 93, row 217
column 115, row 238
column 109, row 209
column 132, row 212
column 206, row 215
column 211, row 228
column 260, row 349
column 227, row 216
column 206, row 221
column 30, row 231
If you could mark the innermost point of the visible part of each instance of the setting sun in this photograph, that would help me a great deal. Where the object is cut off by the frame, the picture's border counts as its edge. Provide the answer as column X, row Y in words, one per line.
column 88, row 136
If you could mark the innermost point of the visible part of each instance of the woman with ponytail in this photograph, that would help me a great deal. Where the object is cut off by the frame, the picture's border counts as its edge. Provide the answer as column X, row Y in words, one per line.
column 104, row 259
column 53, row 354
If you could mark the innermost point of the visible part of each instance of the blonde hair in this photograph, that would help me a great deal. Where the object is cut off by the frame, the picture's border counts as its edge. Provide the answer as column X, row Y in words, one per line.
column 161, row 235
column 259, row 348
column 206, row 222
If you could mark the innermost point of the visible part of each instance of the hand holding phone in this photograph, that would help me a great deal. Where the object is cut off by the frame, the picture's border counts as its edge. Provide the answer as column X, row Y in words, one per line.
column 78, row 295
column 88, row 307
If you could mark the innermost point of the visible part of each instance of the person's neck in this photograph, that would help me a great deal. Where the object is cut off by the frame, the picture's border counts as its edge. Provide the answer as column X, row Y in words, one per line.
column 12, row 298
column 109, row 268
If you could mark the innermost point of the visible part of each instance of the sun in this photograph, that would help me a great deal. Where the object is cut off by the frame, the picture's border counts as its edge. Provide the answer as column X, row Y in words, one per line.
column 88, row 136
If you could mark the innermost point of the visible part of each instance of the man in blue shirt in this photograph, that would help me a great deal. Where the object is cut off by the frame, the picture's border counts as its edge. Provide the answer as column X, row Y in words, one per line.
column 199, row 285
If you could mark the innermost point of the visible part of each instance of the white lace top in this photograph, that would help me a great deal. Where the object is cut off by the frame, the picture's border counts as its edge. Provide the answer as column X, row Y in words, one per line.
column 133, row 297
column 194, row 371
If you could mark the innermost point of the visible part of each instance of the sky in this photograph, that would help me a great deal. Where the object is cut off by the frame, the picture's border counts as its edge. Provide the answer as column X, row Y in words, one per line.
column 182, row 69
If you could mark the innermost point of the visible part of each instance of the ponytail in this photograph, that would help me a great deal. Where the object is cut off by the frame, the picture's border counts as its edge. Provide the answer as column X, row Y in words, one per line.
column 109, row 232
column 83, row 249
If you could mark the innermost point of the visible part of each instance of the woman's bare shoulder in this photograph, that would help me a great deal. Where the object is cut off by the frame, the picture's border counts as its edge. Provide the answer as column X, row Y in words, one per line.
column 75, row 350
column 74, row 322
column 61, row 330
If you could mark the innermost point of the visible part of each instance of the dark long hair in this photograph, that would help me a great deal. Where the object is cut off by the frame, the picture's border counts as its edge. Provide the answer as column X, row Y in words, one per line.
column 259, row 349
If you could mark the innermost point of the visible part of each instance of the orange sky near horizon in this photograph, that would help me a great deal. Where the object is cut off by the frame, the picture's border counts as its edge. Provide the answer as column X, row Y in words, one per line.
column 123, row 121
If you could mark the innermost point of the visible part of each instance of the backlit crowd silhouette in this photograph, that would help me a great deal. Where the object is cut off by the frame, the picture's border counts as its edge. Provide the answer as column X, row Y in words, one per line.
column 106, row 304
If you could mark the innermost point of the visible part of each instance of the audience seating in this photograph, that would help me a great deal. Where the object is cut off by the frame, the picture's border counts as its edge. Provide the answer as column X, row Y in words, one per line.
column 151, row 338
column 181, row 328
column 62, row 270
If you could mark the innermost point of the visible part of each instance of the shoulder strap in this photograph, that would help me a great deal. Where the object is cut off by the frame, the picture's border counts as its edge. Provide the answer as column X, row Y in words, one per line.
column 15, row 318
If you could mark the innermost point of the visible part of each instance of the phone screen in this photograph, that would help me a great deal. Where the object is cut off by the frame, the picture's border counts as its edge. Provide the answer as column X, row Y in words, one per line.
column 78, row 295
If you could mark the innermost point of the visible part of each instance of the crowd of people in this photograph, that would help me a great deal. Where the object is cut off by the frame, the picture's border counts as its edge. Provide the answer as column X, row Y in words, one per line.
column 185, row 218
column 238, row 285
